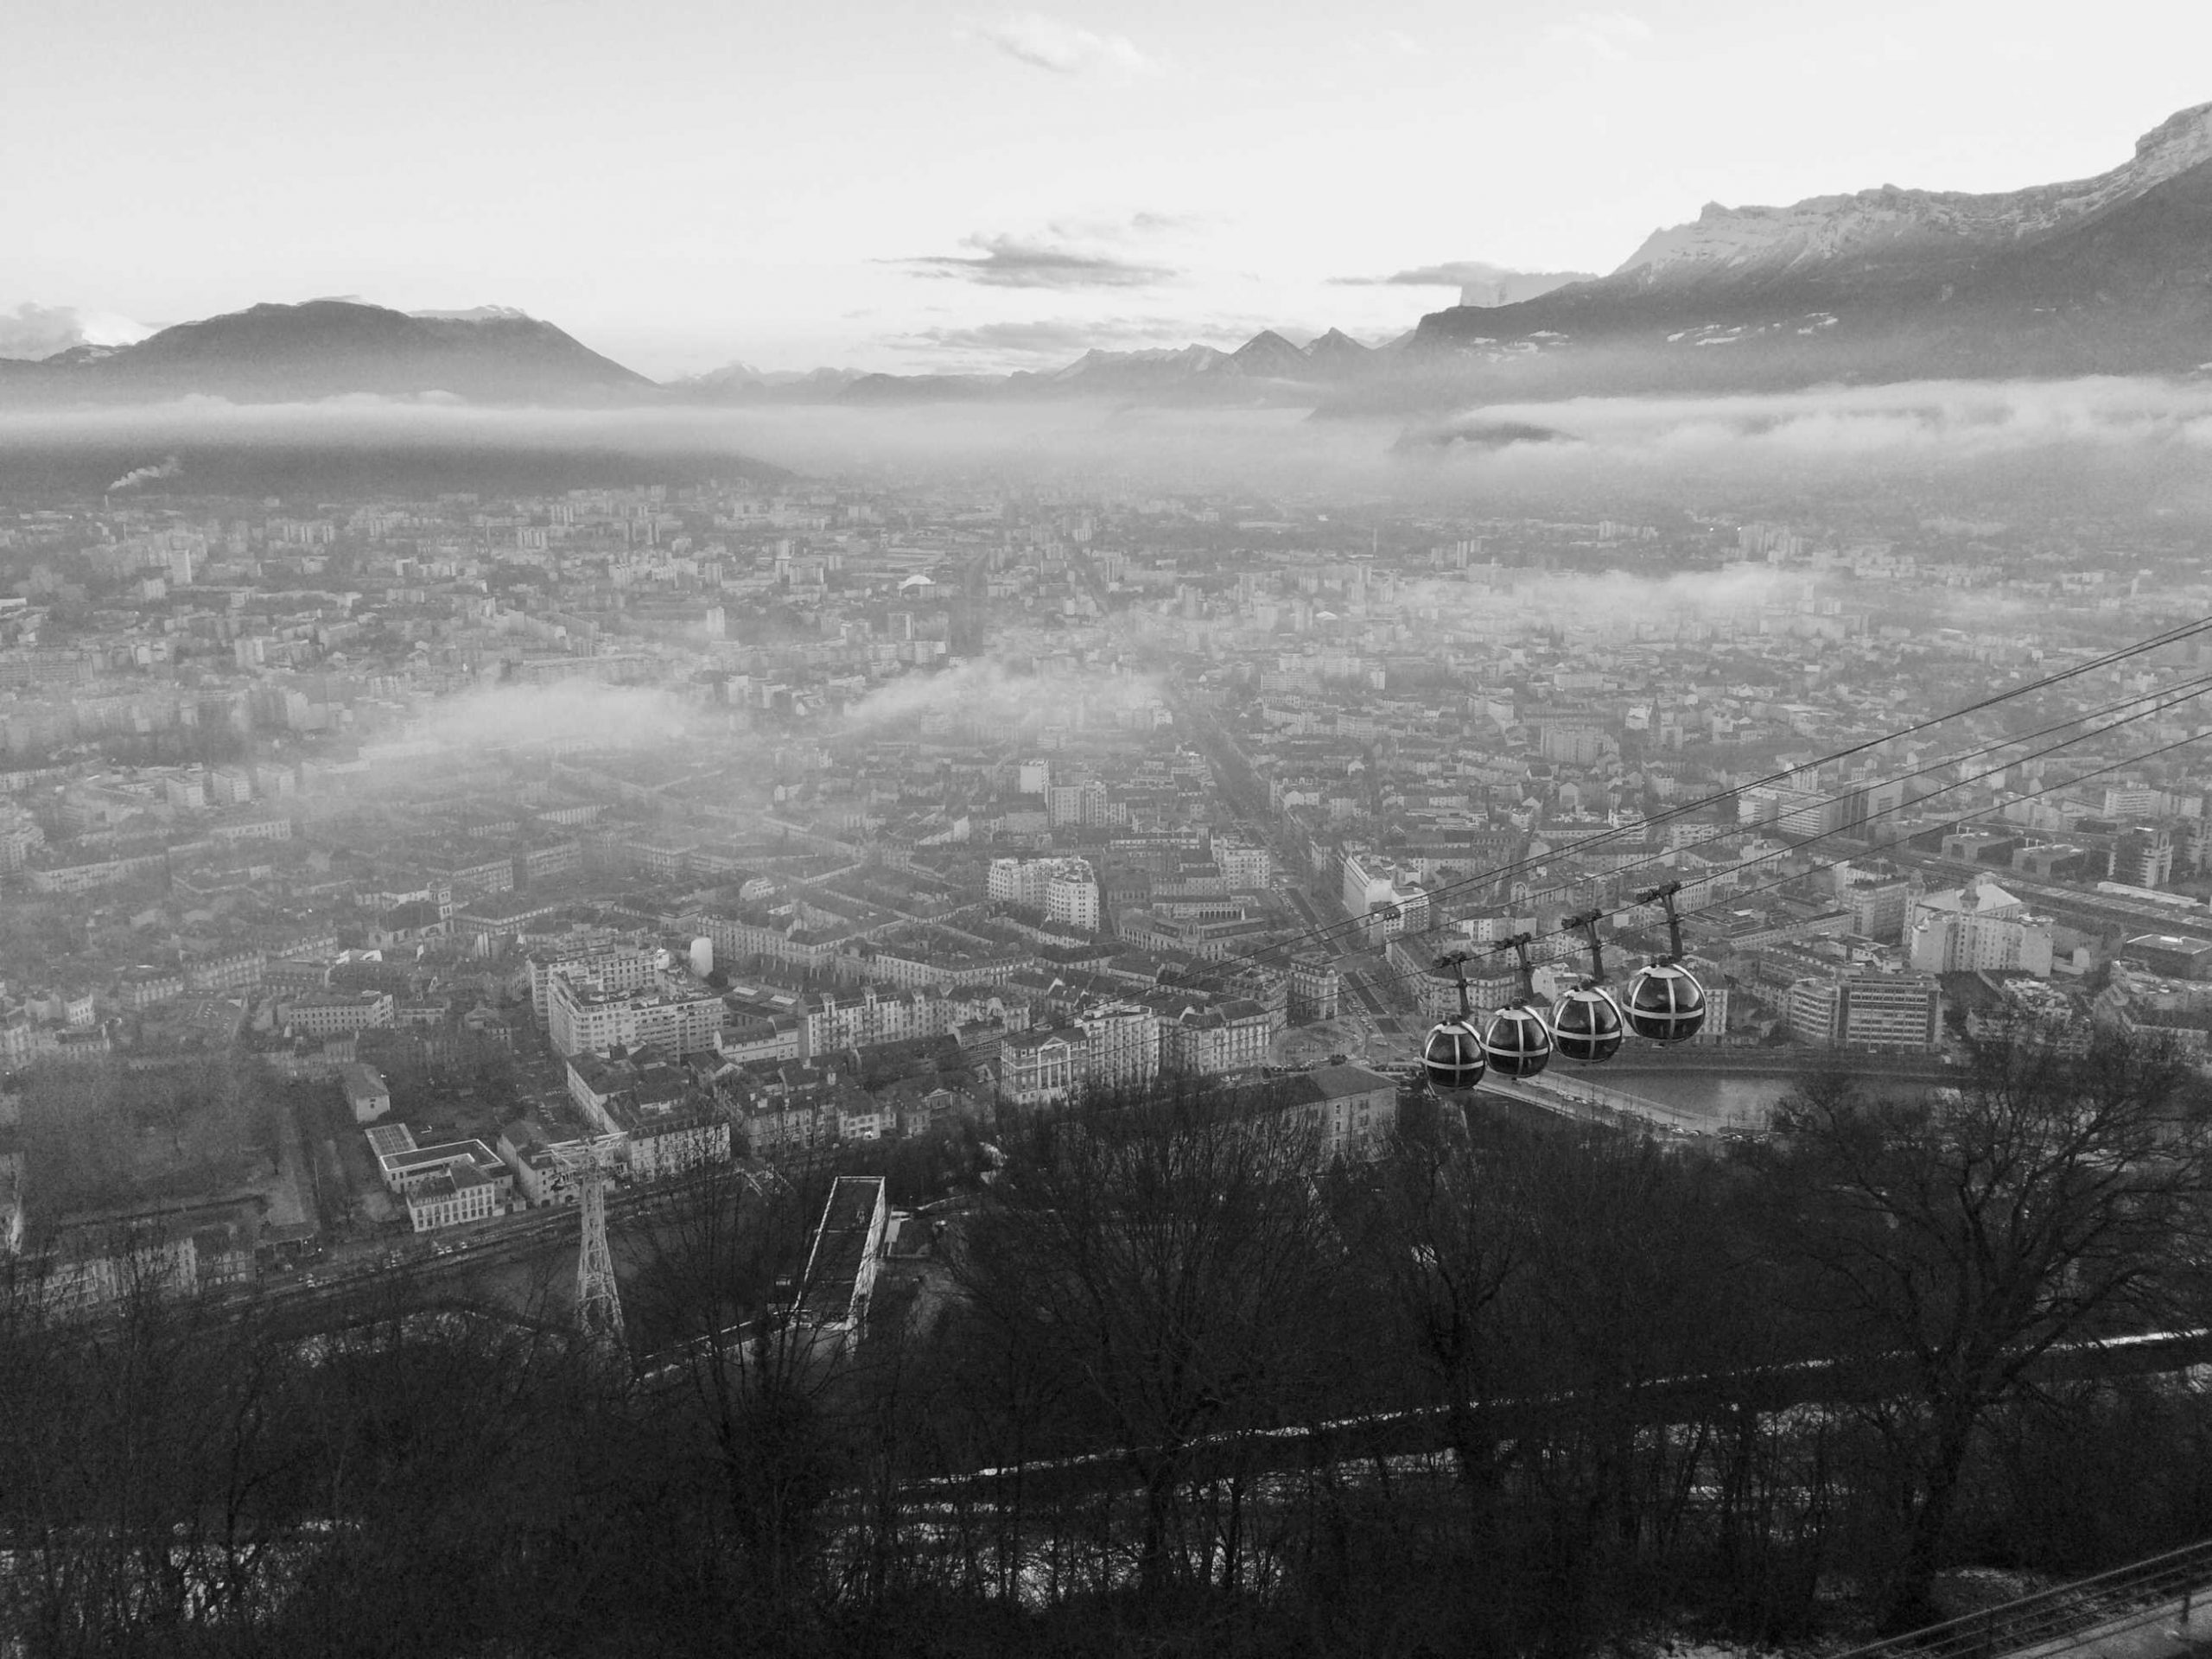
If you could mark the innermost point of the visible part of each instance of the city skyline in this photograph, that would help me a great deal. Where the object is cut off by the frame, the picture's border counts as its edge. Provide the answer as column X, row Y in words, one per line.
column 1104, row 830
column 964, row 189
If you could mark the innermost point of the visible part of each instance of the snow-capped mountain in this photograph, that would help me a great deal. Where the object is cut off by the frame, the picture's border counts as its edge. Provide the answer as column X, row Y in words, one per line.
column 2106, row 275
column 1858, row 237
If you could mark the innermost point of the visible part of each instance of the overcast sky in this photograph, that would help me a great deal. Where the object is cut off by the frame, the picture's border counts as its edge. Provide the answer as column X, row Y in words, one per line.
column 901, row 184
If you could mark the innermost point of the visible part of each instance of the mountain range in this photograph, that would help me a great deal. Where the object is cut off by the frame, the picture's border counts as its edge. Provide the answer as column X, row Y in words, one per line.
column 326, row 348
column 2106, row 275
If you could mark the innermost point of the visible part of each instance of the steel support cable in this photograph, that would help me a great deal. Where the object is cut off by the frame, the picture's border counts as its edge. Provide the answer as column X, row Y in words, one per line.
column 2172, row 636
column 1736, row 898
column 2176, row 694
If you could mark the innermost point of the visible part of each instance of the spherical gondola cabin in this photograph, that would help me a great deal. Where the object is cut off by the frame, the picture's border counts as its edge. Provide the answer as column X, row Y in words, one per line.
column 1516, row 1042
column 1588, row 1025
column 1453, row 1059
column 1665, row 1003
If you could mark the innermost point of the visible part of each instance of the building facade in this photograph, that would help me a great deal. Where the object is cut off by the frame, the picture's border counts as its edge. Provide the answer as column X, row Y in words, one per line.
column 1885, row 1013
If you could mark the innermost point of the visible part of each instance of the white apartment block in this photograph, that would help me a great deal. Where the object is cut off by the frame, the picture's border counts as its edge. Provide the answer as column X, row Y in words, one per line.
column 1121, row 1047
column 1390, row 900
column 444, row 1186
column 1072, row 900
column 611, row 963
column 856, row 1019
column 1893, row 1013
column 538, row 1175
column 1066, row 889
column 665, row 1018
column 452, row 1199
column 1028, row 882
column 1978, row 928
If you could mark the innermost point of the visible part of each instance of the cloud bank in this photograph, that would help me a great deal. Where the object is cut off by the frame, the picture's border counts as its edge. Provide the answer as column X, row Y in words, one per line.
column 1940, row 421
column 2154, row 434
column 1478, row 282
column 1014, row 261
column 1006, row 686
column 1452, row 273
column 35, row 332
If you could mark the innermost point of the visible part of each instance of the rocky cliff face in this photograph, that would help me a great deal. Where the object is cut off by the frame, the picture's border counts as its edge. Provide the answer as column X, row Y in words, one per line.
column 1897, row 230
column 2111, row 275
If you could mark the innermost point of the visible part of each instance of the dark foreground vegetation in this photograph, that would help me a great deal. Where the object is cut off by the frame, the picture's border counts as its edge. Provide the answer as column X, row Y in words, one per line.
column 1171, row 1386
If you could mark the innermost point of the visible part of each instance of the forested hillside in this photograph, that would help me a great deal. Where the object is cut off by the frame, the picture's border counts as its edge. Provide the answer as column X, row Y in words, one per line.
column 1171, row 1386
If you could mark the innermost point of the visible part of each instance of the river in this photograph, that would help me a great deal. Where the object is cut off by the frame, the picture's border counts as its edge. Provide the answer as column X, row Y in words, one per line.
column 1720, row 1097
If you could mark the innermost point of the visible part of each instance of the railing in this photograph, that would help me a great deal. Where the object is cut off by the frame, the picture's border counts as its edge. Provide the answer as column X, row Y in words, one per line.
column 2067, row 1617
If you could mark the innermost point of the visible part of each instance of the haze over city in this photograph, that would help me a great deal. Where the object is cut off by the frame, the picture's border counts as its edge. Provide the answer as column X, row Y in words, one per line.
column 1154, row 831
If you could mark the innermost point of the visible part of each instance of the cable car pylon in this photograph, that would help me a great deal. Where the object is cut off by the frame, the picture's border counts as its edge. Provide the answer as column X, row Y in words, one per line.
column 590, row 1163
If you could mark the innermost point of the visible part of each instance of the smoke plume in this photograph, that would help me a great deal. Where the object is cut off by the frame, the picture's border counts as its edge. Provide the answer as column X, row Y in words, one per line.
column 168, row 468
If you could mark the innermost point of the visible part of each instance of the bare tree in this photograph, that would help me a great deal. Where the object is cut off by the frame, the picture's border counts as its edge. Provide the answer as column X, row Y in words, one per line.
column 1447, row 1233
column 1963, row 1235
column 755, row 1386
column 1161, row 1248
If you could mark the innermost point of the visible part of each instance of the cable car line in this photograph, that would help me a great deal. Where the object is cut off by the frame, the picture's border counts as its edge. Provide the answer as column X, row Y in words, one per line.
column 1499, row 948
column 2174, row 696
column 2171, row 697
column 1728, row 832
column 1666, row 1004
column 2172, row 636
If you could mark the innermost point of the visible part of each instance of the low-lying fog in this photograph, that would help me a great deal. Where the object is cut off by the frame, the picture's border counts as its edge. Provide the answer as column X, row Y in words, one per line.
column 2146, row 435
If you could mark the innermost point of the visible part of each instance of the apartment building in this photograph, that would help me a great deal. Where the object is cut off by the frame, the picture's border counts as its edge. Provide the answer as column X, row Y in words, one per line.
column 1121, row 1045
column 610, row 961
column 1208, row 1042
column 446, row 1185
column 454, row 1197
column 662, row 1146
column 1980, row 928
column 667, row 1019
column 332, row 1013
column 1041, row 1068
column 366, row 1092
column 538, row 1176
column 1354, row 1111
column 1390, row 901
column 1885, row 1013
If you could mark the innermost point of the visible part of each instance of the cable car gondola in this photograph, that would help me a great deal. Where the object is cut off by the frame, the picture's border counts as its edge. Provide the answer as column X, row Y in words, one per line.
column 1587, row 1023
column 1665, row 1004
column 1517, row 1040
column 1452, row 1058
